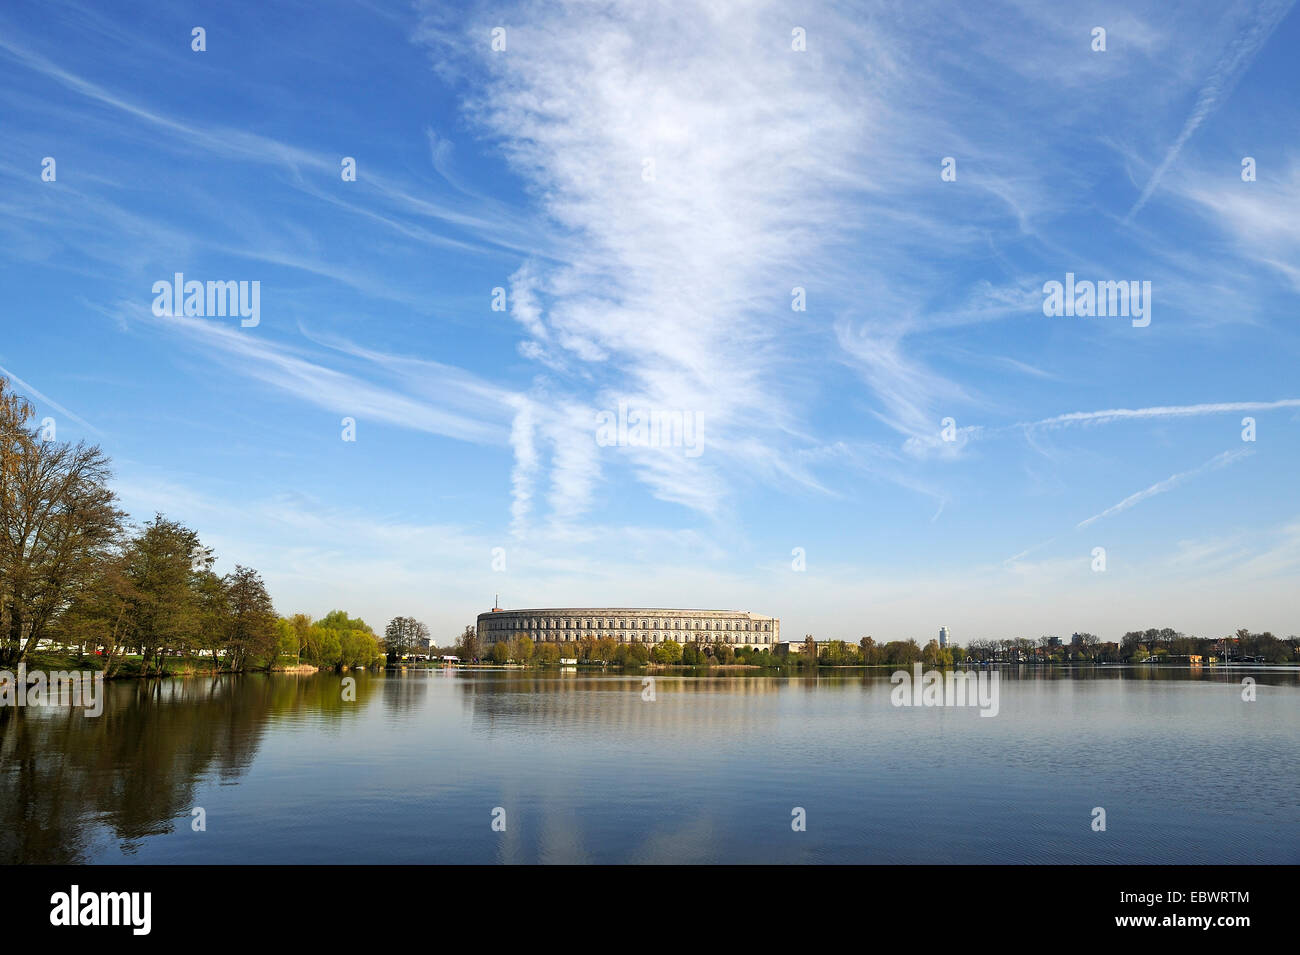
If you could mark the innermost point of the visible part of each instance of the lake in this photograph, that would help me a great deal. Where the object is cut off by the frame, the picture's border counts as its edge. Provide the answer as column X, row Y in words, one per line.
column 579, row 767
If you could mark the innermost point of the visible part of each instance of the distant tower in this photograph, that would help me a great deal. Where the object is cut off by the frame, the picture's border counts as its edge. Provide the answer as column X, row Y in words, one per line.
column 943, row 636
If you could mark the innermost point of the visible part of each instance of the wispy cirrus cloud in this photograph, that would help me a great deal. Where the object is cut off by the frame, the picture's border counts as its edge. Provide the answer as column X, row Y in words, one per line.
column 419, row 395
column 676, row 159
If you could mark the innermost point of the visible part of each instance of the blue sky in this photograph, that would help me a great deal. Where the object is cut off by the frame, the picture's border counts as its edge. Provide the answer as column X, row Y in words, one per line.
column 648, row 183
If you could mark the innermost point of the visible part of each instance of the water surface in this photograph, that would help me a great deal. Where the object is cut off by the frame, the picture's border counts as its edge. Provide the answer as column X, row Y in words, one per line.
column 586, row 770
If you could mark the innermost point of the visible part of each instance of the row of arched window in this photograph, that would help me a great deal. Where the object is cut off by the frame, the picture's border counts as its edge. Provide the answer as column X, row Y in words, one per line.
column 588, row 623
column 662, row 636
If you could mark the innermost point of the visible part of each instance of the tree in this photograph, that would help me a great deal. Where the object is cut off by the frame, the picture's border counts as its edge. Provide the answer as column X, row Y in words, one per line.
column 901, row 653
column 631, row 654
column 668, row 652
column 301, row 623
column 160, row 564
column 58, row 525
column 935, row 655
column 837, row 653
column 324, row 648
column 500, row 652
column 101, row 617
column 521, row 648
column 213, row 615
column 252, row 633
column 358, row 648
column 467, row 645
column 870, row 651
column 343, row 641
column 404, row 636
column 284, row 638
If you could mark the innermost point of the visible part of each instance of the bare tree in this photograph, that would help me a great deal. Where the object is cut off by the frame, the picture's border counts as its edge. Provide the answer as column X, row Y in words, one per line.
column 467, row 645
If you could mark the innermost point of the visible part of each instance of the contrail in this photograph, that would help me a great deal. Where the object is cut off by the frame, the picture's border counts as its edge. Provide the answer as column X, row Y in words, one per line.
column 1218, row 461
column 1241, row 52
column 29, row 390
column 1133, row 414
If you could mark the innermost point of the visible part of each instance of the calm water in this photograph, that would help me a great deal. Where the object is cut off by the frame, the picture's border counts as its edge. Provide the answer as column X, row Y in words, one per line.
column 709, row 772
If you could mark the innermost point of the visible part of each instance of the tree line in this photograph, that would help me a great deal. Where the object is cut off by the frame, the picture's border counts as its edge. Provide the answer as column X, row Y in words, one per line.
column 1082, row 648
column 75, row 574
column 521, row 649
column 336, row 641
column 1136, row 646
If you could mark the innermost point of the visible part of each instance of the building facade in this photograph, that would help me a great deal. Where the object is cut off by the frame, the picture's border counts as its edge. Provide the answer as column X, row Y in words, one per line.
column 630, row 625
column 943, row 636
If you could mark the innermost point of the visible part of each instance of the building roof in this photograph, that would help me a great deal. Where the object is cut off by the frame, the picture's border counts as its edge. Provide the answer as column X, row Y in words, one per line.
column 625, row 610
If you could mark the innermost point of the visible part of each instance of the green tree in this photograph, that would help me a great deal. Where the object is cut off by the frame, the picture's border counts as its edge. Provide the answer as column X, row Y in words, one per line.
column 301, row 623
column 285, row 642
column 358, row 648
column 669, row 652
column 213, row 615
column 405, row 636
column 936, row 656
column 837, row 653
column 521, row 648
column 901, row 653
column 252, row 635
column 162, row 562
column 632, row 654
column 100, row 617
column 324, row 648
column 339, row 646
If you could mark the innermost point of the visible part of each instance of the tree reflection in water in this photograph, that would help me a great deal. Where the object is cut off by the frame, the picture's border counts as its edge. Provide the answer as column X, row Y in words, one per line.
column 69, row 782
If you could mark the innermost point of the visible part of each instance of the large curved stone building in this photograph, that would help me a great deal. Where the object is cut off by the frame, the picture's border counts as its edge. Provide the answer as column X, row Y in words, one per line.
column 630, row 625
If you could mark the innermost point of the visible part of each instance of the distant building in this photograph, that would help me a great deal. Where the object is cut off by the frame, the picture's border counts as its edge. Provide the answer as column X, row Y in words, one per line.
column 630, row 625
column 943, row 636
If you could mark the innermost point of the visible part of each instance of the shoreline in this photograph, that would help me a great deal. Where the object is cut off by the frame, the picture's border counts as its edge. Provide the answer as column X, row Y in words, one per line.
column 53, row 663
